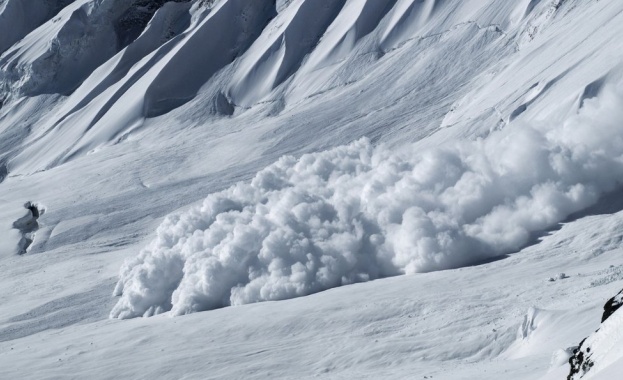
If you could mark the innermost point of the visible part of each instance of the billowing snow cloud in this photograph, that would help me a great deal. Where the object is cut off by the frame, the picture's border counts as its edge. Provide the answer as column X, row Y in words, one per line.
column 358, row 212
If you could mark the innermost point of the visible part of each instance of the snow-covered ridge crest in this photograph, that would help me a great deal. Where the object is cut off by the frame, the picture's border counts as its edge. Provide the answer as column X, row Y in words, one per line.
column 356, row 213
column 59, row 55
column 112, row 71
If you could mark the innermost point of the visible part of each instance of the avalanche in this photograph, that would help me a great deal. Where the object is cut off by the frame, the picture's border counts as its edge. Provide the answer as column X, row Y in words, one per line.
column 356, row 213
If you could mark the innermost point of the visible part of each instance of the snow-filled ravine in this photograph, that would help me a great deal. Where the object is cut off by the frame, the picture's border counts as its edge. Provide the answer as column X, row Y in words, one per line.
column 343, row 189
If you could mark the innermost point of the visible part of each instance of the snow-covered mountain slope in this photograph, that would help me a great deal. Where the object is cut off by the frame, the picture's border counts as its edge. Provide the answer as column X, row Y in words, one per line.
column 598, row 352
column 485, row 125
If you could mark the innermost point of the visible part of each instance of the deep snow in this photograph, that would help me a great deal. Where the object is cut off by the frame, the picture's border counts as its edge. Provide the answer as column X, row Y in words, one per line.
column 111, row 133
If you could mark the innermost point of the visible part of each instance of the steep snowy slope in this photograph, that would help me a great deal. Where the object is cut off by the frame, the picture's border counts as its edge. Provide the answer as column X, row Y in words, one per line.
column 486, row 123
column 598, row 352
column 21, row 17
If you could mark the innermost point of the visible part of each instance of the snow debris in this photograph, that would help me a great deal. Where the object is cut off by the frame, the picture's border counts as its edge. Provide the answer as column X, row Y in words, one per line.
column 358, row 212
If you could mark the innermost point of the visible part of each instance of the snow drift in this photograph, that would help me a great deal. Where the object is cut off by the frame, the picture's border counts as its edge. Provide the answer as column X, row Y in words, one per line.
column 356, row 213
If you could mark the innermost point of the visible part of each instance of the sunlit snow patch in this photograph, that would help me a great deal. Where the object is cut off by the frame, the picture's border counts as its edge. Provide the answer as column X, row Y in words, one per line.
column 358, row 212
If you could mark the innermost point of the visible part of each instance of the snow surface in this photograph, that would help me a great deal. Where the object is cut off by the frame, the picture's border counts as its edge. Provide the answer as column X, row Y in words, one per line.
column 606, row 345
column 484, row 125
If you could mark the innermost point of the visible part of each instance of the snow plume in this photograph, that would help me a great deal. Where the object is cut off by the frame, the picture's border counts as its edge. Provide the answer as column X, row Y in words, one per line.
column 358, row 212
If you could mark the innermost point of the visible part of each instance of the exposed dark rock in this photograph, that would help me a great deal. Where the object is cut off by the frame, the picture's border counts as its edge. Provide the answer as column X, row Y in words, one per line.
column 581, row 361
column 612, row 305
column 132, row 23
column 222, row 105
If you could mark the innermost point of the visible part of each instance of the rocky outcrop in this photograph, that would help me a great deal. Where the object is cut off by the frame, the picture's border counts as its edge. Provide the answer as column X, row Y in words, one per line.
column 612, row 305
column 133, row 21
column 587, row 355
column 83, row 36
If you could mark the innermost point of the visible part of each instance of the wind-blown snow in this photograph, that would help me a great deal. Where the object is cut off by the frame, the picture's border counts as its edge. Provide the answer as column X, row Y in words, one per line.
column 356, row 213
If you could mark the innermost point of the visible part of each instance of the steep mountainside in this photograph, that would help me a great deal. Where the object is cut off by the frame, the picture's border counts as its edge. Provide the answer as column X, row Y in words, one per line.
column 163, row 158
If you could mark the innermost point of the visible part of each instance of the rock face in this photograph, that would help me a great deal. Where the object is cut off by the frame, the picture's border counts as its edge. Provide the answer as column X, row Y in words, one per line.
column 20, row 17
column 580, row 361
column 81, row 36
column 587, row 355
column 134, row 20
column 612, row 305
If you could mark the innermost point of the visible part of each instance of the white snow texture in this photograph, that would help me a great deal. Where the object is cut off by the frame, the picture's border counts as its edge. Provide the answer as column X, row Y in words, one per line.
column 358, row 212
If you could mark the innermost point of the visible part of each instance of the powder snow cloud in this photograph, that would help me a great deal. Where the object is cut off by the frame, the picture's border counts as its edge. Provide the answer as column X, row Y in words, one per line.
column 359, row 212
